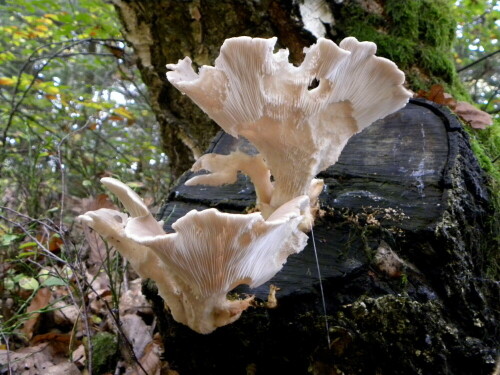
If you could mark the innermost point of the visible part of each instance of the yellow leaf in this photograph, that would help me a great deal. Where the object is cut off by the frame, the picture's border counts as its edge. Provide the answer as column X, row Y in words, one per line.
column 123, row 112
column 4, row 81
column 41, row 28
column 52, row 90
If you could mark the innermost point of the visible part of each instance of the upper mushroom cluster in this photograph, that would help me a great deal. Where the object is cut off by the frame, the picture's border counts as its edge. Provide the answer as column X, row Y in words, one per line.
column 299, row 118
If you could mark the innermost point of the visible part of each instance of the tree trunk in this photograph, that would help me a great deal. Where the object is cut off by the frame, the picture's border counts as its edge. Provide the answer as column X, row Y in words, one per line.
column 415, row 34
column 402, row 247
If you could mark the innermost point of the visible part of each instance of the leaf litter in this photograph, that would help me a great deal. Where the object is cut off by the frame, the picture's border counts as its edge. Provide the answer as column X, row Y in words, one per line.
column 53, row 339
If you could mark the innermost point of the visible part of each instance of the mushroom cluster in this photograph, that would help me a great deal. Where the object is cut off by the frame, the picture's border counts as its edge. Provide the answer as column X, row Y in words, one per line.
column 299, row 119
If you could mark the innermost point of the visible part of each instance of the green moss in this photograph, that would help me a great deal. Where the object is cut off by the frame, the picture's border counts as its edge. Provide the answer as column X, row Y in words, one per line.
column 404, row 16
column 104, row 352
column 436, row 63
column 416, row 34
column 436, row 24
column 486, row 145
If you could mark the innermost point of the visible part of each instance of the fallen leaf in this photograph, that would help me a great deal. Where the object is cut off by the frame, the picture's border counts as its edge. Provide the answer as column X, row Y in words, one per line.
column 64, row 368
column 59, row 341
column 65, row 314
column 138, row 333
column 41, row 300
column 133, row 301
column 98, row 248
column 151, row 360
column 79, row 356
column 437, row 95
column 475, row 117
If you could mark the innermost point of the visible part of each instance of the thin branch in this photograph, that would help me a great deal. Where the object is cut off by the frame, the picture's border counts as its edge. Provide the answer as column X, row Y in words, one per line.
column 65, row 55
column 118, row 325
column 492, row 96
column 33, row 238
column 6, row 339
column 478, row 61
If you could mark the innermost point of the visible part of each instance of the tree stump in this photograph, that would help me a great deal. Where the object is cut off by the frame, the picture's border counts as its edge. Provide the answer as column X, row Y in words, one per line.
column 401, row 247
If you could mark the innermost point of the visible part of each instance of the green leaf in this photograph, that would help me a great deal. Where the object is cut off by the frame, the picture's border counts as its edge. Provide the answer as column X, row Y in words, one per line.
column 54, row 281
column 26, row 254
column 8, row 239
column 9, row 284
column 27, row 244
column 29, row 283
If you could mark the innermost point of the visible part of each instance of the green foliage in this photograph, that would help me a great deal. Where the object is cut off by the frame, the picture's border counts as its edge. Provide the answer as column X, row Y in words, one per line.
column 486, row 146
column 477, row 51
column 72, row 110
column 72, row 106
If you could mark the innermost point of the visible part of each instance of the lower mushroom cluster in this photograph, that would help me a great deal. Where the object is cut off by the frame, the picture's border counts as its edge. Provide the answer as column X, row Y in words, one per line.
column 209, row 254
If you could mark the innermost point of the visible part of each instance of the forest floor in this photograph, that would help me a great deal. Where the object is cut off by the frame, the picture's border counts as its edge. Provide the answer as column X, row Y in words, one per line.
column 70, row 304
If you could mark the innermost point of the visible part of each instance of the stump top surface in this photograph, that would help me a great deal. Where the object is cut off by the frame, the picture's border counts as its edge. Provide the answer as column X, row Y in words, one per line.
column 395, row 170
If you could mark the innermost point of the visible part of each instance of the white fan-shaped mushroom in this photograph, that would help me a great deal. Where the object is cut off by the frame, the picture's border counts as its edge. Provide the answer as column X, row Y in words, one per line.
column 298, row 127
column 209, row 254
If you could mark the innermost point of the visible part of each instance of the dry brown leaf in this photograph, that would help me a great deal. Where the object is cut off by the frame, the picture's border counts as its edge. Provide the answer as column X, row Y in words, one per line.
column 59, row 341
column 133, row 301
column 98, row 250
column 437, row 95
column 65, row 314
column 63, row 368
column 475, row 117
column 138, row 333
column 100, row 201
column 41, row 300
column 151, row 361
column 79, row 356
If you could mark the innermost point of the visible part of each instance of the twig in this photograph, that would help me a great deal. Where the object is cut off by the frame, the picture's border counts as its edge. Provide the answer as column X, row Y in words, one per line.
column 492, row 96
column 478, row 61
column 34, row 239
column 6, row 339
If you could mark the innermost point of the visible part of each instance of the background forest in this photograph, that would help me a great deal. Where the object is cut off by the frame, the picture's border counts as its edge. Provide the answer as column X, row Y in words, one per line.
column 73, row 109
